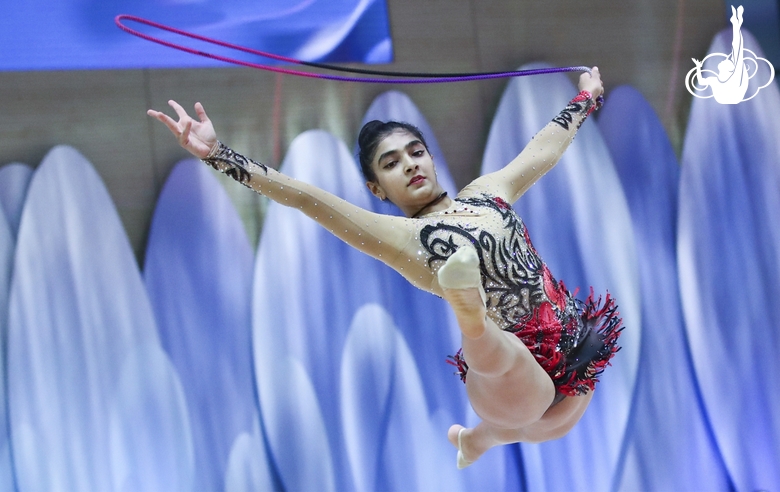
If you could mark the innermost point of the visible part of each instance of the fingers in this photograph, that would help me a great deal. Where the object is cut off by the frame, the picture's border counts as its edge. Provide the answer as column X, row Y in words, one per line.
column 591, row 81
column 595, row 73
column 179, row 110
column 184, row 138
column 592, row 72
column 167, row 120
column 201, row 112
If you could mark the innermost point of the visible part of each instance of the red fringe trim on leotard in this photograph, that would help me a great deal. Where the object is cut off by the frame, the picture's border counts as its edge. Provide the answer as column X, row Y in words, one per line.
column 459, row 362
column 576, row 372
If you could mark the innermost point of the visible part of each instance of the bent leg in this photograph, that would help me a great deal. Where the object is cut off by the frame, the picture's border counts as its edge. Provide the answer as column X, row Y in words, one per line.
column 558, row 420
column 507, row 388
column 555, row 423
column 505, row 384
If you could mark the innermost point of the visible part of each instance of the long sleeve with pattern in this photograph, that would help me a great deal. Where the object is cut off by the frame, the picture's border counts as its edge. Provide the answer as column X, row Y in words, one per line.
column 383, row 237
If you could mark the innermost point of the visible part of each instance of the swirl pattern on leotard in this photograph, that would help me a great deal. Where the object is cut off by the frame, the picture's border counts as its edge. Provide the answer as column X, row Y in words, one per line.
column 523, row 297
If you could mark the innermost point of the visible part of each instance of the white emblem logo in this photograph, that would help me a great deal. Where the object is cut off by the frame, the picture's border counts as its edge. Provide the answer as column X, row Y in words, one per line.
column 730, row 83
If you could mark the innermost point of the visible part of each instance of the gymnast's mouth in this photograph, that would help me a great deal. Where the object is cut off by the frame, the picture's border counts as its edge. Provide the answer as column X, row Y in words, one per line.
column 416, row 179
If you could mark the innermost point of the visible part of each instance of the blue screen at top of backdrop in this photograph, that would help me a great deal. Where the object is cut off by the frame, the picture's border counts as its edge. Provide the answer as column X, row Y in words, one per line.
column 81, row 34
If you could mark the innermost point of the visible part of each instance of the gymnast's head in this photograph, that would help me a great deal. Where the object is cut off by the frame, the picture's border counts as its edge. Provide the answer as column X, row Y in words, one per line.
column 397, row 164
column 725, row 70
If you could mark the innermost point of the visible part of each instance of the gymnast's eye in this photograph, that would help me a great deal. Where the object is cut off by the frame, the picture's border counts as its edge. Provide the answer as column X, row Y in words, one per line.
column 418, row 153
column 390, row 165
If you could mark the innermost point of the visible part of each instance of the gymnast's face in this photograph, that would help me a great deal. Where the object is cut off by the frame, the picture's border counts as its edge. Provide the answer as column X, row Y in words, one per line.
column 405, row 173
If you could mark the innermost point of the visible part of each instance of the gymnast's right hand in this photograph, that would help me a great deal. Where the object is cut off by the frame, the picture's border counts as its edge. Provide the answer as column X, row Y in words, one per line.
column 197, row 137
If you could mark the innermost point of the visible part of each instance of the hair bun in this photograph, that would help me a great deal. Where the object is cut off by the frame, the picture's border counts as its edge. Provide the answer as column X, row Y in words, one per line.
column 368, row 132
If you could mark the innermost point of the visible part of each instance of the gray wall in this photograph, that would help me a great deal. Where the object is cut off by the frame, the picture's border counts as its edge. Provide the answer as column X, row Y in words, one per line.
column 647, row 44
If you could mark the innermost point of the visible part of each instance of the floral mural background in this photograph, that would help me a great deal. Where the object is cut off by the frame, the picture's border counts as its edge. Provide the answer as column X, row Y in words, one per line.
column 304, row 365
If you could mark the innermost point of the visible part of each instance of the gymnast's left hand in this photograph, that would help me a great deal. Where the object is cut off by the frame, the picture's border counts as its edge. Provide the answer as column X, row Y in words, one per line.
column 591, row 82
column 196, row 136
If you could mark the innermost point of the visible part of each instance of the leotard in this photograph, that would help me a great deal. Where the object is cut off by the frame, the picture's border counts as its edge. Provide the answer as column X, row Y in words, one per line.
column 572, row 340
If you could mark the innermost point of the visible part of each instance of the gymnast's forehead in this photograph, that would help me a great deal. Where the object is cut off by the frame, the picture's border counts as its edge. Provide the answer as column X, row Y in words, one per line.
column 397, row 140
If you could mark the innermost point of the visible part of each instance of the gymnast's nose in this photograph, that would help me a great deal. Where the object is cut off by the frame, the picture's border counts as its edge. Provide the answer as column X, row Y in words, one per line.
column 410, row 165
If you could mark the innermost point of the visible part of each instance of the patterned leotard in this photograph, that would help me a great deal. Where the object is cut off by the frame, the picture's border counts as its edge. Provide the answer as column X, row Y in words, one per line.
column 572, row 341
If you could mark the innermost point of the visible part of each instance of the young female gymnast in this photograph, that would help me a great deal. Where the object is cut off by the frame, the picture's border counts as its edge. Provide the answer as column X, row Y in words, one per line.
column 532, row 352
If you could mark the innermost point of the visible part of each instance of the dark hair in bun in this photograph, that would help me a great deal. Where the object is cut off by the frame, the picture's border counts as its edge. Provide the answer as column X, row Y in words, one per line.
column 372, row 134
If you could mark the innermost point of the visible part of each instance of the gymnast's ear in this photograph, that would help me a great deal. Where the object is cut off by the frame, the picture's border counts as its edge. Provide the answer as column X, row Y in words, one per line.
column 376, row 190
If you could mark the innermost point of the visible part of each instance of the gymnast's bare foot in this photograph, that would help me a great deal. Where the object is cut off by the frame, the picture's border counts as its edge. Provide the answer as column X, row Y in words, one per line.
column 461, row 283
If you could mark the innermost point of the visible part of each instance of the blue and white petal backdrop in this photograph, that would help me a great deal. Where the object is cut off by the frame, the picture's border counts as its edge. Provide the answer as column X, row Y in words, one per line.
column 305, row 365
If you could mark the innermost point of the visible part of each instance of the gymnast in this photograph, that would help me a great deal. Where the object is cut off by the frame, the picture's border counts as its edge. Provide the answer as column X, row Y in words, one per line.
column 731, row 82
column 531, row 352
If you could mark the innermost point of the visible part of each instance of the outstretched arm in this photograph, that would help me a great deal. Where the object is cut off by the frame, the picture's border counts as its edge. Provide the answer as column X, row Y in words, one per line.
column 546, row 147
column 382, row 236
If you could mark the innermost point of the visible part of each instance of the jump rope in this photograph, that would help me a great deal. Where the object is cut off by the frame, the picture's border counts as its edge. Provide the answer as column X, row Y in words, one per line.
column 378, row 76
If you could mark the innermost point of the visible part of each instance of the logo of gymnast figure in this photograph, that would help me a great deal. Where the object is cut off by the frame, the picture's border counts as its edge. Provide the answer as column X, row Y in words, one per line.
column 730, row 84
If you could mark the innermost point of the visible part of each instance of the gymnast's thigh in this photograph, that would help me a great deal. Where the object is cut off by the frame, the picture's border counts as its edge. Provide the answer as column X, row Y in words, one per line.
column 517, row 398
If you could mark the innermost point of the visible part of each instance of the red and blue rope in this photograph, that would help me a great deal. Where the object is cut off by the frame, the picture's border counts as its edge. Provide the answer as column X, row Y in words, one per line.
column 386, row 77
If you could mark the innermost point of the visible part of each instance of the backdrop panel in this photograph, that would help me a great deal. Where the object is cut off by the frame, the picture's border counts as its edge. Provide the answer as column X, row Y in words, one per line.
column 88, row 381
column 6, row 264
column 14, row 180
column 198, row 274
column 729, row 260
